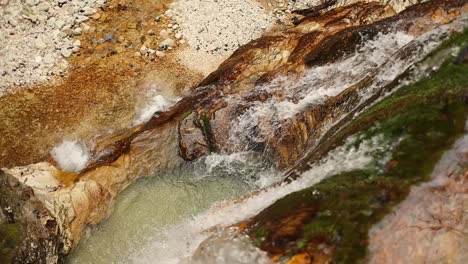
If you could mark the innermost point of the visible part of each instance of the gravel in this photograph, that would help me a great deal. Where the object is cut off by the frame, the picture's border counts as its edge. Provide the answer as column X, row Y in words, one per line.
column 219, row 26
column 213, row 29
column 36, row 36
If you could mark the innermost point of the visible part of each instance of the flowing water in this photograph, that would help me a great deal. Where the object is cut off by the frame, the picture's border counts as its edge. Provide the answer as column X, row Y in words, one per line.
column 181, row 216
column 145, row 211
column 378, row 62
column 165, row 218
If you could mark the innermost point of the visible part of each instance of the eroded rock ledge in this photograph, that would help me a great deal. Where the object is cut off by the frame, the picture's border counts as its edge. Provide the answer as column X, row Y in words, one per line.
column 312, row 43
column 350, row 217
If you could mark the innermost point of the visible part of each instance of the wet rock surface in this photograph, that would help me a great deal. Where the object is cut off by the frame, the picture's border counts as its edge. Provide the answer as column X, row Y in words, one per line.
column 332, row 220
column 265, row 55
column 430, row 225
column 310, row 44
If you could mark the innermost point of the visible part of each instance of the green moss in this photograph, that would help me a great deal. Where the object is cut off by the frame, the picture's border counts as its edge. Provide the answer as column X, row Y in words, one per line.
column 205, row 126
column 425, row 118
column 448, row 82
column 321, row 226
column 260, row 236
column 10, row 235
column 350, row 203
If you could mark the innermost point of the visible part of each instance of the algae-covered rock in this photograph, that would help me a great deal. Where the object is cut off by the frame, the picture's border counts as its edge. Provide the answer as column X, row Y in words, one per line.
column 10, row 235
column 333, row 218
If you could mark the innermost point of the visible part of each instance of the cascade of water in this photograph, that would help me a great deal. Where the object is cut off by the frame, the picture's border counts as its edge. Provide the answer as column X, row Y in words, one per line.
column 175, row 234
column 317, row 84
column 143, row 211
column 384, row 59
column 372, row 67
column 179, row 241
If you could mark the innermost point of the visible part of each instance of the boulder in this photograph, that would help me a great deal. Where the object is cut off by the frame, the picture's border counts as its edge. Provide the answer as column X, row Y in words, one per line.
column 254, row 74
column 29, row 233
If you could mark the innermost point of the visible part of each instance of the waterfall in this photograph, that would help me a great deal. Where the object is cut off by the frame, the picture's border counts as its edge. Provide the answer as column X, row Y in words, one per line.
column 181, row 217
column 193, row 209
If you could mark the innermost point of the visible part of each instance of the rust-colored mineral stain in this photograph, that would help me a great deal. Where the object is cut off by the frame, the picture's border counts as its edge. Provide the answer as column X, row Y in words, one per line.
column 100, row 91
column 66, row 178
column 310, row 258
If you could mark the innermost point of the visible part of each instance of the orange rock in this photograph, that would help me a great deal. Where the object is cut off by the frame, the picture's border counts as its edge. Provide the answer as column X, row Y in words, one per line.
column 302, row 258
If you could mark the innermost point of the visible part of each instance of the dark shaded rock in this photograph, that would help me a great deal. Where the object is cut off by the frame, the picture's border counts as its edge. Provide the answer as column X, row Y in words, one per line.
column 314, row 11
column 29, row 234
column 462, row 57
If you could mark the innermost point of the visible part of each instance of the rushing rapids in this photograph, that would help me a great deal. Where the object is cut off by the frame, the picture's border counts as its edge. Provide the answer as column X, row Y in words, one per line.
column 288, row 153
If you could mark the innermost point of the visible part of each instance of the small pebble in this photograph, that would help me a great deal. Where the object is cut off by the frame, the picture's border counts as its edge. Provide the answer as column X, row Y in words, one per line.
column 66, row 52
column 166, row 44
column 143, row 50
column 160, row 54
column 40, row 44
column 77, row 43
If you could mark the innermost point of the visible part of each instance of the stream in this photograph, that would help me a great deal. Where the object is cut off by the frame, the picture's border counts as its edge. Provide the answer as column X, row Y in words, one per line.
column 165, row 218
column 147, row 210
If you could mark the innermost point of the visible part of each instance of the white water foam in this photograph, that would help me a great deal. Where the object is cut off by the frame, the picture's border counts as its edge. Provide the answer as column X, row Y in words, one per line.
column 154, row 203
column 157, row 103
column 314, row 87
column 177, row 243
column 71, row 156
column 228, row 247
column 327, row 81
column 379, row 59
column 180, row 238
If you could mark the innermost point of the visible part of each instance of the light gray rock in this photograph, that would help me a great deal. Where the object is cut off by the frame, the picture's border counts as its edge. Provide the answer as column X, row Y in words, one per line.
column 167, row 43
column 43, row 6
column 160, row 54
column 88, row 11
column 59, row 23
column 66, row 52
column 39, row 43
column 49, row 59
column 77, row 31
column 77, row 43
column 38, row 34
